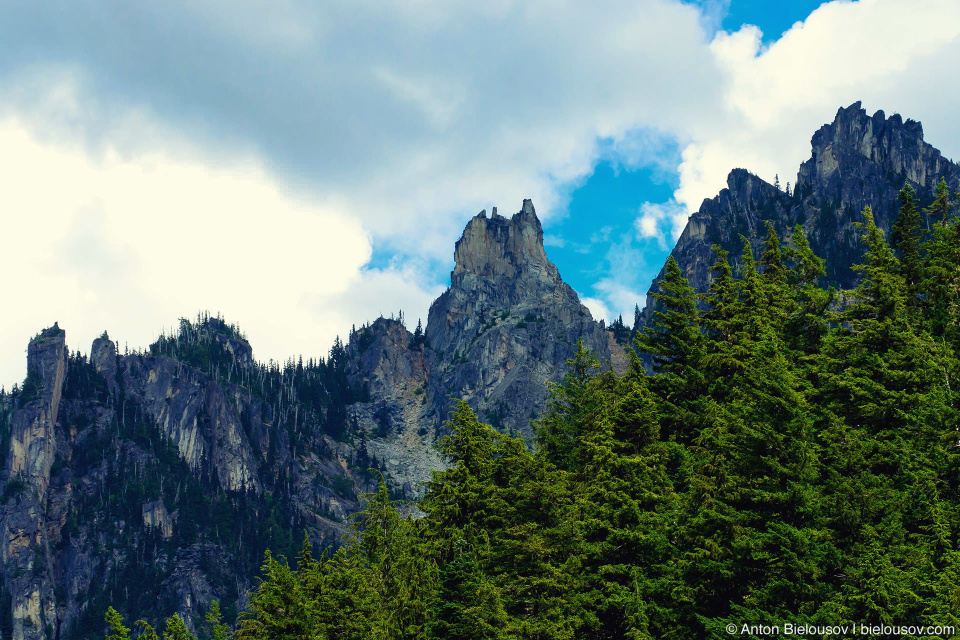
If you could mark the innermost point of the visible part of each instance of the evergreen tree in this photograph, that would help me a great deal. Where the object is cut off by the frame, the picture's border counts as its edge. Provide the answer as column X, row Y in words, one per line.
column 906, row 235
column 807, row 324
column 887, row 410
column 941, row 283
column 278, row 609
column 574, row 405
column 676, row 343
column 176, row 629
column 115, row 623
column 939, row 209
column 217, row 628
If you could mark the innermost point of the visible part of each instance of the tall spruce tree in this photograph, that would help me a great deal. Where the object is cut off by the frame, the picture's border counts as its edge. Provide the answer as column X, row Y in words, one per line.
column 906, row 236
column 675, row 343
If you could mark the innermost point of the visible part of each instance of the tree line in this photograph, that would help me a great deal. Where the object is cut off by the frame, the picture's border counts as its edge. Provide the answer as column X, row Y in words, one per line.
column 792, row 458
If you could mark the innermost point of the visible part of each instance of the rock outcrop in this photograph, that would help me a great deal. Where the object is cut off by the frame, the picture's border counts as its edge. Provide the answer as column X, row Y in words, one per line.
column 394, row 424
column 507, row 324
column 147, row 482
column 495, row 339
column 25, row 551
column 856, row 161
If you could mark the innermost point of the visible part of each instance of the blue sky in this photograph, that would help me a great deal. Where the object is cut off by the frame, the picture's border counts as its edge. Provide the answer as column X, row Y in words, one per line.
column 605, row 207
column 302, row 167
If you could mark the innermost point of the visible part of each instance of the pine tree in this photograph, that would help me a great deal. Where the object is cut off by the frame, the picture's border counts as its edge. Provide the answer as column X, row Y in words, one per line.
column 278, row 609
column 625, row 506
column 573, row 406
column 115, row 623
column 176, row 629
column 468, row 605
column 217, row 628
column 676, row 343
column 418, row 337
column 885, row 388
column 905, row 236
column 674, row 340
column 807, row 325
column 939, row 209
column 940, row 288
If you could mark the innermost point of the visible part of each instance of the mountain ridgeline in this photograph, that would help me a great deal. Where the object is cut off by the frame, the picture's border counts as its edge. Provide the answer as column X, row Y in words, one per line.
column 156, row 480
column 781, row 422
column 857, row 161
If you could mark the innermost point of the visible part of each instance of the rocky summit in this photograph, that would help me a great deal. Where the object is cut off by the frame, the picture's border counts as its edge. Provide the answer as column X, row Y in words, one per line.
column 856, row 161
column 507, row 324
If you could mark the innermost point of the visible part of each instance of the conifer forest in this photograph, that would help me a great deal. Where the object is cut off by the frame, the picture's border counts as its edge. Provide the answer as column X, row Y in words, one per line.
column 777, row 452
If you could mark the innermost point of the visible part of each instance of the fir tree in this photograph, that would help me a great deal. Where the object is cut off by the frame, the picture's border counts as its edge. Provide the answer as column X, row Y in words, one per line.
column 115, row 623
column 939, row 209
column 676, row 344
column 905, row 236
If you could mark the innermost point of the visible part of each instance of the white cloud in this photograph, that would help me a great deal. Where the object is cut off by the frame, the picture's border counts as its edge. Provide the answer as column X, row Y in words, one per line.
column 408, row 115
column 370, row 293
column 598, row 309
column 246, row 162
column 131, row 244
column 891, row 54
column 657, row 219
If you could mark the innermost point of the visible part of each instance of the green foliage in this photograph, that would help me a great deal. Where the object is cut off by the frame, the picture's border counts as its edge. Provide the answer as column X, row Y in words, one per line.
column 115, row 623
column 906, row 235
column 793, row 459
column 12, row 489
column 176, row 629
column 217, row 628
column 32, row 387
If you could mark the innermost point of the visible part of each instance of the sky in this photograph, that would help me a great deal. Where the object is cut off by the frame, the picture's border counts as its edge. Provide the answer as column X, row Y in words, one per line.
column 302, row 167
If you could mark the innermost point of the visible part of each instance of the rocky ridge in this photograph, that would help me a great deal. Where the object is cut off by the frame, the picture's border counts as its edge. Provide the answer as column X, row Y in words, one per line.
column 153, row 481
column 856, row 161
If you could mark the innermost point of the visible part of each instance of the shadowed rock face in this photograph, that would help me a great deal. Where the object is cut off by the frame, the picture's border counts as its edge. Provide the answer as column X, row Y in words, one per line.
column 507, row 324
column 856, row 161
column 33, row 445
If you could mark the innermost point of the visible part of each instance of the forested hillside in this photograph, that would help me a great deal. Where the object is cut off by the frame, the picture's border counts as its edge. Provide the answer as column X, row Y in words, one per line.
column 793, row 459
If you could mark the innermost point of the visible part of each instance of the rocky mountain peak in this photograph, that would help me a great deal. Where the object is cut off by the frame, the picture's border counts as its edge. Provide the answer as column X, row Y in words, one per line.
column 507, row 324
column 47, row 365
column 498, row 247
column 896, row 147
column 856, row 161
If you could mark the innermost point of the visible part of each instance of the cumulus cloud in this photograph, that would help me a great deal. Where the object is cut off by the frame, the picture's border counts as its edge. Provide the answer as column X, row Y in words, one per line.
column 598, row 309
column 410, row 114
column 131, row 244
column 661, row 220
column 887, row 53
column 173, row 157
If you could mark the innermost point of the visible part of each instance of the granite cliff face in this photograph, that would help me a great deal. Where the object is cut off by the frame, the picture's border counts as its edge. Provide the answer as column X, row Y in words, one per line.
column 507, row 324
column 32, row 447
column 856, row 161
column 154, row 481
